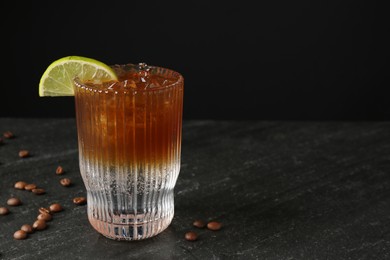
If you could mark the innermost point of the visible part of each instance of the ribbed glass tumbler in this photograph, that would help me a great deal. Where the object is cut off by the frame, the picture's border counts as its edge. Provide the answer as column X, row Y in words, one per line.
column 129, row 136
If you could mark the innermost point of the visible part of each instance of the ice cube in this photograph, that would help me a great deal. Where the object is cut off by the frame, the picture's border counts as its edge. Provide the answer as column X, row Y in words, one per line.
column 129, row 83
column 153, row 83
column 143, row 67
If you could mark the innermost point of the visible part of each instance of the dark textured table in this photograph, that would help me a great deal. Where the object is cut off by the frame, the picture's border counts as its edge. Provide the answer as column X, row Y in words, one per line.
column 283, row 190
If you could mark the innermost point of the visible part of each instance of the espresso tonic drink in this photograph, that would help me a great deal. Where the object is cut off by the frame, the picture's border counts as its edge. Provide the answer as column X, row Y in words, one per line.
column 129, row 136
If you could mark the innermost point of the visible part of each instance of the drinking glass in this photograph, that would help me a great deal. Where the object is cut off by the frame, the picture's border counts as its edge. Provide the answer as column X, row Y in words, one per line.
column 129, row 139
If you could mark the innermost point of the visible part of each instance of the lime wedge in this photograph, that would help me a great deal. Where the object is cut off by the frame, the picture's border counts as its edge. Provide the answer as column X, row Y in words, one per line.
column 58, row 78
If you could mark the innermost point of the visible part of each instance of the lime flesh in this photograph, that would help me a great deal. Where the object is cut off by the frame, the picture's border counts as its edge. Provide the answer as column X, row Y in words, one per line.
column 58, row 78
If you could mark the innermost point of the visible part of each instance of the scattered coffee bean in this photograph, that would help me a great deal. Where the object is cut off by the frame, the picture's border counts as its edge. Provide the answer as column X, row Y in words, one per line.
column 80, row 200
column 59, row 170
column 8, row 134
column 214, row 225
column 199, row 223
column 1, row 140
column 65, row 182
column 38, row 191
column 20, row 234
column 44, row 216
column 44, row 211
column 13, row 202
column 20, row 185
column 191, row 236
column 4, row 211
column 55, row 207
column 30, row 187
column 27, row 228
column 39, row 224
column 24, row 153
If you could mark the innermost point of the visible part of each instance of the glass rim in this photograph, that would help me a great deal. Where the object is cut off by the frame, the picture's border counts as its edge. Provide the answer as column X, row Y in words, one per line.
column 105, row 87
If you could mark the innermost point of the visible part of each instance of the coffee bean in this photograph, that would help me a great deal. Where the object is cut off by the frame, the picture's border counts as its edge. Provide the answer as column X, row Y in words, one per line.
column 191, row 236
column 44, row 211
column 27, row 228
column 20, row 185
column 55, row 207
column 30, row 187
column 20, row 234
column 65, row 182
column 214, row 225
column 4, row 211
column 59, row 170
column 8, row 134
column 24, row 153
column 39, row 224
column 13, row 202
column 1, row 140
column 38, row 191
column 80, row 200
column 199, row 223
column 44, row 216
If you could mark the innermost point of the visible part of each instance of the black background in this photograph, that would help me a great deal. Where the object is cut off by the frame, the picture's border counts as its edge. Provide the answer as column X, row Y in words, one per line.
column 280, row 60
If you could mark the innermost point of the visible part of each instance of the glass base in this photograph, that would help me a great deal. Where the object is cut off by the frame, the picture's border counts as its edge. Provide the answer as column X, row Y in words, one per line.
column 135, row 230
